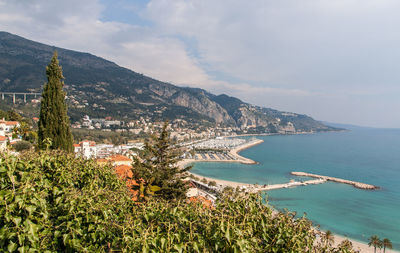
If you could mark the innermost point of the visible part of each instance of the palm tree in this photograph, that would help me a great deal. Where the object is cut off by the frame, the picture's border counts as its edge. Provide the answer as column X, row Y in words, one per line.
column 386, row 244
column 328, row 238
column 374, row 241
column 345, row 246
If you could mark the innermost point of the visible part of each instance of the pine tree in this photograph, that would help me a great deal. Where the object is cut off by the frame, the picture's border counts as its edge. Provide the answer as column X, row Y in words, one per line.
column 53, row 121
column 156, row 168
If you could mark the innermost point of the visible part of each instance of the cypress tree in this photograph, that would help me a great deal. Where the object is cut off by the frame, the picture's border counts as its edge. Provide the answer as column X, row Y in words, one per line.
column 53, row 121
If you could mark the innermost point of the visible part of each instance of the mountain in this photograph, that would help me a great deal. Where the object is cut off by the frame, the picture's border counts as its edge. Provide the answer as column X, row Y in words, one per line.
column 101, row 88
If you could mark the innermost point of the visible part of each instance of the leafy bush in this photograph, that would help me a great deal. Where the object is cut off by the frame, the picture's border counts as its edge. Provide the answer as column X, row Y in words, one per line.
column 54, row 202
column 204, row 181
column 212, row 183
column 22, row 145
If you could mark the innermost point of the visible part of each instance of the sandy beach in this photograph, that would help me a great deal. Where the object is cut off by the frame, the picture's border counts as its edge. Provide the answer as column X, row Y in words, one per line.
column 360, row 246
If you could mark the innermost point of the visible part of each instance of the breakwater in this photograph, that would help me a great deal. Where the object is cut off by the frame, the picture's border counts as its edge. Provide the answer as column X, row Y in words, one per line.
column 337, row 180
column 289, row 185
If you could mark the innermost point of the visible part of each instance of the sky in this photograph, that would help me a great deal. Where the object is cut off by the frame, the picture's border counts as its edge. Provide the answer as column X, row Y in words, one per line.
column 337, row 61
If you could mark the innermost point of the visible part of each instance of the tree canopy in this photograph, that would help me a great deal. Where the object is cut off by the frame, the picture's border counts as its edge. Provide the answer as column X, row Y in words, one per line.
column 157, row 169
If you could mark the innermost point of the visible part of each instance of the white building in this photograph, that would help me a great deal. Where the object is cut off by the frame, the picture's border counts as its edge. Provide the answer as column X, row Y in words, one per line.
column 86, row 121
column 8, row 126
column 86, row 149
column 3, row 143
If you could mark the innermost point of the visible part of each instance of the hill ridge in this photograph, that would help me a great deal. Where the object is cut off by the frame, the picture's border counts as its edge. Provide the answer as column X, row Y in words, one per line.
column 96, row 87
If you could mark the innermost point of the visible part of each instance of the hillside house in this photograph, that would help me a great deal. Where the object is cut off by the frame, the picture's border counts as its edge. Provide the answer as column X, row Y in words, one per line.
column 86, row 149
column 3, row 143
column 8, row 126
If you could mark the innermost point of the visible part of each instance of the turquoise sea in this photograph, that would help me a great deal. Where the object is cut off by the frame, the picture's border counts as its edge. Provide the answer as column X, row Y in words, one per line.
column 366, row 155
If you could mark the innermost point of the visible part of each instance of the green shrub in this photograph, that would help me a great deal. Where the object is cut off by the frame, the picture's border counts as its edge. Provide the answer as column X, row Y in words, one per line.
column 57, row 203
column 212, row 183
column 22, row 145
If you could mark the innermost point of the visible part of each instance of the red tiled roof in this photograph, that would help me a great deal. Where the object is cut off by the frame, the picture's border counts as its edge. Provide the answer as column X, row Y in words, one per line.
column 91, row 143
column 119, row 158
column 10, row 123
column 125, row 173
column 3, row 138
column 76, row 145
column 206, row 202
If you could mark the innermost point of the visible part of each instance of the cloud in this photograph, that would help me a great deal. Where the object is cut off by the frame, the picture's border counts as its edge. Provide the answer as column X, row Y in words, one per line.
column 77, row 25
column 320, row 57
column 289, row 43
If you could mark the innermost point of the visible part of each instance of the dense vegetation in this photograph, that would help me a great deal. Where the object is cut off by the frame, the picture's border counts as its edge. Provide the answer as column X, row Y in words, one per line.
column 55, row 202
column 108, row 137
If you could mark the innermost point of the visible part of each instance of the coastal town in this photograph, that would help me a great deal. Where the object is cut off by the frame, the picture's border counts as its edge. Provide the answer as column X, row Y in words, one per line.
column 145, row 151
column 180, row 129
column 214, row 145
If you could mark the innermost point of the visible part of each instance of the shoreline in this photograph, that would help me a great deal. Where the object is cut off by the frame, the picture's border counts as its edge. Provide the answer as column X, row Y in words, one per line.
column 296, row 133
column 242, row 159
column 357, row 245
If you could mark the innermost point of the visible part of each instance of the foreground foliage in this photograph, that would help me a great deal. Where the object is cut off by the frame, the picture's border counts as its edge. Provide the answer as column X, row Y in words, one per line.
column 54, row 202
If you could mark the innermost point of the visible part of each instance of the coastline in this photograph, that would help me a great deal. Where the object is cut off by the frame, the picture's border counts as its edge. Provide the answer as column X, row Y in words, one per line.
column 357, row 245
column 296, row 133
column 242, row 159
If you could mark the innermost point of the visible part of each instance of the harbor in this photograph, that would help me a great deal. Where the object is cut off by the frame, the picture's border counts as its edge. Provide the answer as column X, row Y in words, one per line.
column 220, row 150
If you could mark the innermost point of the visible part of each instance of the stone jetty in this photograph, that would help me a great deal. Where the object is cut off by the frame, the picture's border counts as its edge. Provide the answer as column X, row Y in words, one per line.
column 288, row 185
column 337, row 180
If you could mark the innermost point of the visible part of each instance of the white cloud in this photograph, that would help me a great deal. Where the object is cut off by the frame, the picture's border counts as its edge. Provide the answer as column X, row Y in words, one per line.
column 76, row 25
column 289, row 43
column 302, row 56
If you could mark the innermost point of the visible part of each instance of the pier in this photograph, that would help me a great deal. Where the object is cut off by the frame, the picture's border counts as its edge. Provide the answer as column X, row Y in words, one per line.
column 337, row 180
column 289, row 185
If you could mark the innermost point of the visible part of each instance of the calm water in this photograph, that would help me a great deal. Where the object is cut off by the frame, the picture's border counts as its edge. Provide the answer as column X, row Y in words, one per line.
column 366, row 155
